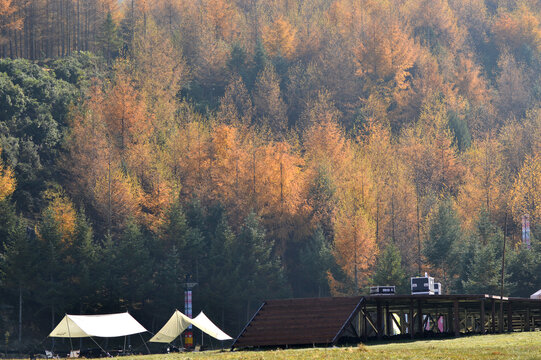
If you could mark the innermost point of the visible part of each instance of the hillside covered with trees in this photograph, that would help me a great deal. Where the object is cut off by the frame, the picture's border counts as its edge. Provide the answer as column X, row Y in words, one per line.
column 263, row 149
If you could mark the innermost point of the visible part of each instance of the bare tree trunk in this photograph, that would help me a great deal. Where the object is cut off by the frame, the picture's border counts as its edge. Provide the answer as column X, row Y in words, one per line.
column 418, row 230
column 503, row 274
column 20, row 315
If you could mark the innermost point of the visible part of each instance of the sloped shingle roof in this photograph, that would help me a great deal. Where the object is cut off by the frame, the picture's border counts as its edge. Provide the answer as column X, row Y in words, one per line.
column 297, row 322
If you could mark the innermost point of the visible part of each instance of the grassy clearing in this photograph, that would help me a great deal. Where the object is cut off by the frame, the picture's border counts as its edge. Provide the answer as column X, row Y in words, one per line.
column 511, row 346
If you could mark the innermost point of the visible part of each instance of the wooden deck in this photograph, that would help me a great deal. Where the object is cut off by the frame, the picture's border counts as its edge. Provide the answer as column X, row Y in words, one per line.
column 329, row 321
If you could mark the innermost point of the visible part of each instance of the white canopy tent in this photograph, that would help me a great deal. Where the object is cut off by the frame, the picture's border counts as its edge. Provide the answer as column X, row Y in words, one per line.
column 180, row 322
column 536, row 295
column 110, row 325
column 172, row 328
column 202, row 322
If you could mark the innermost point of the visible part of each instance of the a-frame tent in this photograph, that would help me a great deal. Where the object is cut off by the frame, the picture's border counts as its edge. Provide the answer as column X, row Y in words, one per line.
column 176, row 324
column 179, row 322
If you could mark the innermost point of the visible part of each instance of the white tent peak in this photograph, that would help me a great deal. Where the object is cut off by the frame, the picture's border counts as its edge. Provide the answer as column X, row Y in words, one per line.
column 179, row 322
column 176, row 324
column 105, row 325
column 204, row 324
column 536, row 295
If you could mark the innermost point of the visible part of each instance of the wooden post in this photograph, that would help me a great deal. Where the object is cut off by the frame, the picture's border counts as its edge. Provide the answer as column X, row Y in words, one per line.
column 456, row 318
column 509, row 317
column 527, row 324
column 482, row 319
column 500, row 317
column 411, row 322
column 360, row 325
column 389, row 321
column 420, row 317
column 379, row 319
column 449, row 321
column 365, row 325
column 493, row 316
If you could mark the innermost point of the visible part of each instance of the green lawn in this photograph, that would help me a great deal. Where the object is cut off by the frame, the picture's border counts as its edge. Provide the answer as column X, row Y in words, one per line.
column 512, row 346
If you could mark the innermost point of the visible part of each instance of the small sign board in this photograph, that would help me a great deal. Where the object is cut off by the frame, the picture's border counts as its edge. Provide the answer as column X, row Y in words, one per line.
column 382, row 290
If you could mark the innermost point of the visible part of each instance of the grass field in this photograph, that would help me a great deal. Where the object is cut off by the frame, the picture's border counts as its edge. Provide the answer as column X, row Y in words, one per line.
column 511, row 346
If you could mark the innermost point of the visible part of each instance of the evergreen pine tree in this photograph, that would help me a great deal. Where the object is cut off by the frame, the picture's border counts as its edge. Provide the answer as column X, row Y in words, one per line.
column 108, row 39
column 237, row 62
column 444, row 240
column 484, row 273
column 258, row 269
column 127, row 267
column 523, row 269
column 315, row 261
column 81, row 264
column 481, row 264
column 389, row 270
column 19, row 266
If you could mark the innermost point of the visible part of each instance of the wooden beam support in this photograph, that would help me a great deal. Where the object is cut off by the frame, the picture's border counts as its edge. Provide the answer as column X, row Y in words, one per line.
column 456, row 318
column 388, row 321
column 482, row 317
column 411, row 322
column 370, row 322
column 449, row 320
column 509, row 316
column 493, row 316
column 528, row 319
column 420, row 319
column 500, row 317
column 379, row 319
column 365, row 321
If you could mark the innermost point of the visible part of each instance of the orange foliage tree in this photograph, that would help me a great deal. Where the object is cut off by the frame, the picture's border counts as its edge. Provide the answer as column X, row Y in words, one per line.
column 355, row 247
column 7, row 180
column 279, row 38
column 63, row 213
column 512, row 30
column 223, row 17
column 9, row 21
column 484, row 185
column 526, row 193
column 268, row 101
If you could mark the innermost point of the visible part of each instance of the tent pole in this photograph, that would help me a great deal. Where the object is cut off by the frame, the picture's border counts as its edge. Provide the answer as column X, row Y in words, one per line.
column 105, row 352
column 180, row 336
column 69, row 333
column 144, row 342
column 124, row 348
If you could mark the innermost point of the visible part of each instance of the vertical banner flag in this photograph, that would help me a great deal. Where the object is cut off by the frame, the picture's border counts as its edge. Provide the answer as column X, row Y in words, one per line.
column 188, row 335
column 526, row 231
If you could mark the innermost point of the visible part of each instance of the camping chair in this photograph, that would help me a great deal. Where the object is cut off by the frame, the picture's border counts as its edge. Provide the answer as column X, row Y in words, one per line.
column 74, row 353
column 51, row 355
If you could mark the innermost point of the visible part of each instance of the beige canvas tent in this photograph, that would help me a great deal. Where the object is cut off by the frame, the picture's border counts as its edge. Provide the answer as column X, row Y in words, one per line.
column 110, row 325
column 180, row 322
column 172, row 328
column 203, row 323
column 536, row 295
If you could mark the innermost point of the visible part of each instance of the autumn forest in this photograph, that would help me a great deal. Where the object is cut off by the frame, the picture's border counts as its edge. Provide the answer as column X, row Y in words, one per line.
column 263, row 149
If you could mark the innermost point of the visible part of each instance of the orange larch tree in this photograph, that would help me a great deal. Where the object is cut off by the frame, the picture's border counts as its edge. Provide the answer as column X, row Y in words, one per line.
column 279, row 38
column 484, row 186
column 526, row 192
column 7, row 180
column 270, row 107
